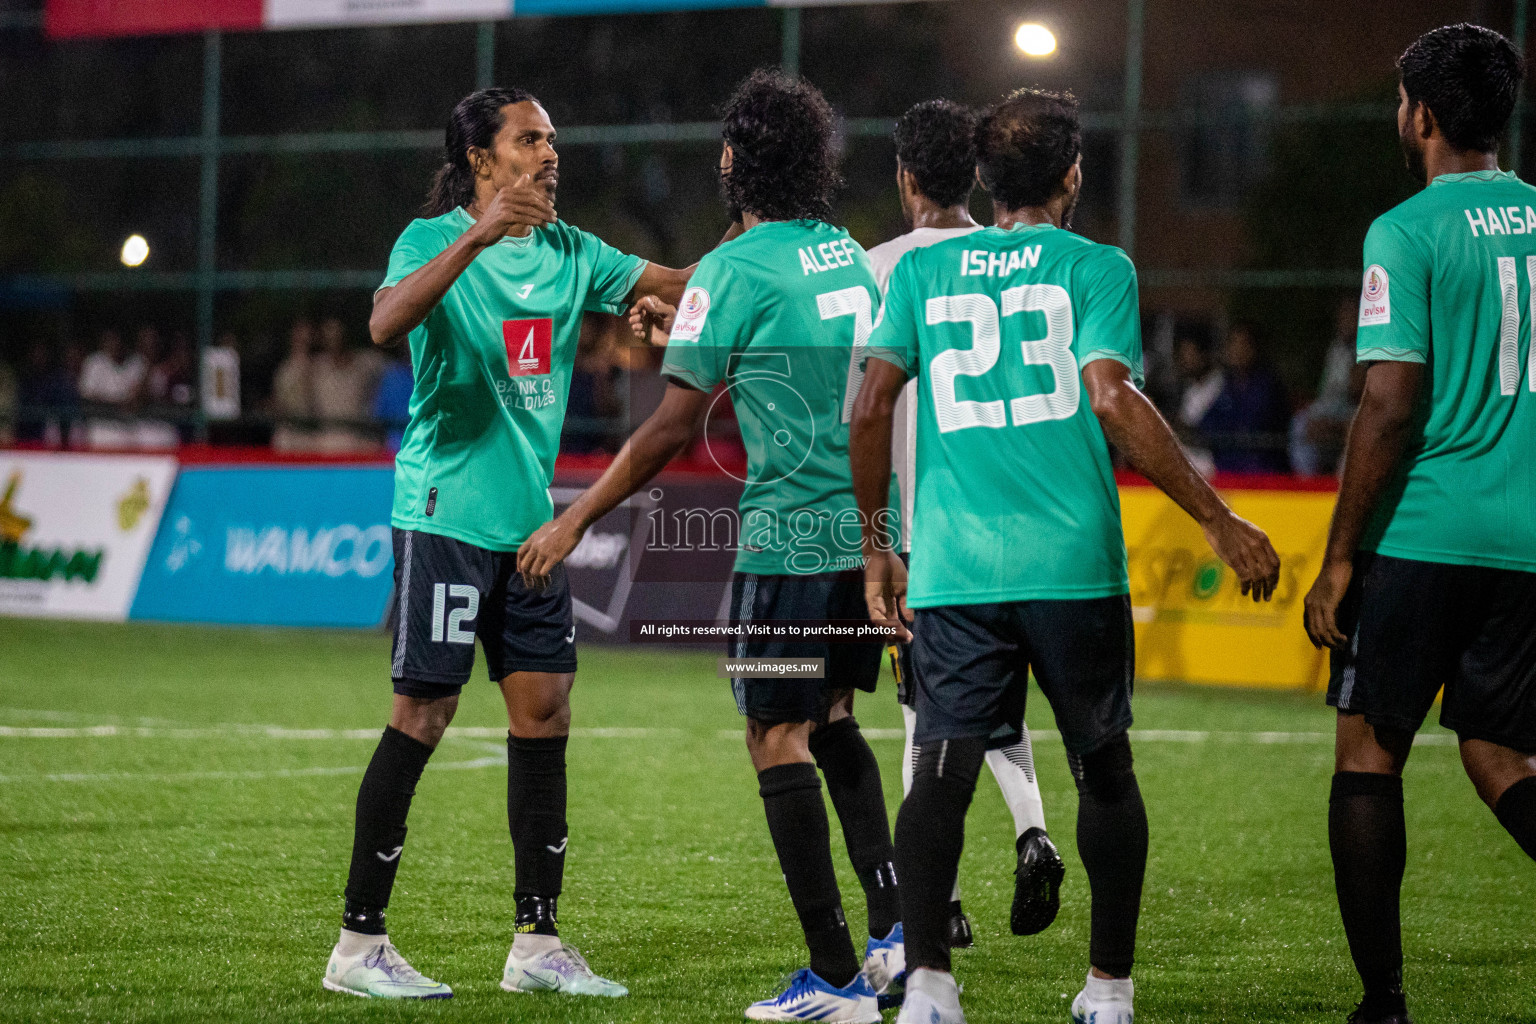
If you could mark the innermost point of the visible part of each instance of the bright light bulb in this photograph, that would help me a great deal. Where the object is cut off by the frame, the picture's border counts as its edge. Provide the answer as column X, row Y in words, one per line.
column 135, row 251
column 1035, row 40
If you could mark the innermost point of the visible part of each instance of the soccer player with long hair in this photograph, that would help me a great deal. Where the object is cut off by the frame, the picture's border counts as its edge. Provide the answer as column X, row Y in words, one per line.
column 777, row 315
column 490, row 288
column 1429, row 577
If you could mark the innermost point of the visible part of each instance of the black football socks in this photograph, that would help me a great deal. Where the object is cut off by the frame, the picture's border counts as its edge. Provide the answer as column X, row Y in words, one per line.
column 1516, row 811
column 930, row 833
column 1112, row 842
column 536, row 819
column 378, row 836
column 797, row 821
column 1369, row 844
column 853, row 782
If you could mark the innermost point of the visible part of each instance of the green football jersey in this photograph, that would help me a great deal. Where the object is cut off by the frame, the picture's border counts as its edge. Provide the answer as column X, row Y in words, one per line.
column 1450, row 281
column 777, row 314
column 492, row 363
column 1016, row 496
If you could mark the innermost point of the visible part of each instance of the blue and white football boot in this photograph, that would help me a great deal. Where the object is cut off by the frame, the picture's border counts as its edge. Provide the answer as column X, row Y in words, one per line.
column 885, row 967
column 808, row 997
column 377, row 970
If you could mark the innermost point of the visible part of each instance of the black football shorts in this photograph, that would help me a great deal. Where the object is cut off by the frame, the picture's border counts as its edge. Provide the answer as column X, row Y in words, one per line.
column 449, row 593
column 814, row 597
column 972, row 665
column 1415, row 626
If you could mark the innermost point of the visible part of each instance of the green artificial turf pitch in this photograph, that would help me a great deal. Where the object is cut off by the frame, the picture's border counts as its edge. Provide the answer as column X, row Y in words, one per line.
column 188, row 864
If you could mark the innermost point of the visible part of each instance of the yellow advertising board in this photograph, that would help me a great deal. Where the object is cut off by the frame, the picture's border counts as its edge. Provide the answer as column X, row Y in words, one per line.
column 1192, row 621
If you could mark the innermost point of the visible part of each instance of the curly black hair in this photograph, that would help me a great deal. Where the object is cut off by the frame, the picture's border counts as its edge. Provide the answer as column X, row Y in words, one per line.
column 936, row 141
column 1468, row 77
column 783, row 164
column 1025, row 144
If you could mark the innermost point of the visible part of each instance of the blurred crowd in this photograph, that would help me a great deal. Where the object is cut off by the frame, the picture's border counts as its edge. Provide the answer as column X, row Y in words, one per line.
column 324, row 390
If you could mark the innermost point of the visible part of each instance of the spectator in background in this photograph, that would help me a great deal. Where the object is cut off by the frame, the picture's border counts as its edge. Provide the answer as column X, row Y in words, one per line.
column 1246, row 424
column 1200, row 380
column 293, row 403
column 392, row 404
column 345, row 380
column 110, row 380
column 594, row 399
column 1319, row 430
column 172, row 378
column 48, row 398
column 8, row 402
column 149, row 433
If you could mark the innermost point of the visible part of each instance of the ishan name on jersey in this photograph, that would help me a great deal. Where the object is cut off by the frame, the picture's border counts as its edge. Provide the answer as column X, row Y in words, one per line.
column 988, row 263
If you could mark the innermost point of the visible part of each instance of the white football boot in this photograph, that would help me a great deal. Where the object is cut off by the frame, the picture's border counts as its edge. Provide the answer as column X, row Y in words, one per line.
column 1104, row 1001
column 933, row 997
column 370, row 966
column 555, row 968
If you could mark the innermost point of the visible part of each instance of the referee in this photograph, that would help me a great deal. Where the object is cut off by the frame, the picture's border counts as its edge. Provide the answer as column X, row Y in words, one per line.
column 490, row 287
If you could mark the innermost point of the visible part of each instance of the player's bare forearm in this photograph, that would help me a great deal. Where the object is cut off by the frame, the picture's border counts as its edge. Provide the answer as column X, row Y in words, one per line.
column 1133, row 425
column 665, row 283
column 869, row 446
column 400, row 309
column 659, row 440
column 1377, row 439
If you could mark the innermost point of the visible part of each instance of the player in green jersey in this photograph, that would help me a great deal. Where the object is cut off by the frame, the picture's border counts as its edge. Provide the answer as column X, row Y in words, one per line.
column 935, row 176
column 1429, row 577
column 1025, row 340
column 490, row 288
column 776, row 315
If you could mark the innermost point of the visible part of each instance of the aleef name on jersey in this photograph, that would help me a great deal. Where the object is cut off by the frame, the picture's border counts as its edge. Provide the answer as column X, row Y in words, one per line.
column 826, row 256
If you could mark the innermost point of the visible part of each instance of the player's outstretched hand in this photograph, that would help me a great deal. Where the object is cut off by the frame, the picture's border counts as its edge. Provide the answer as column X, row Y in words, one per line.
column 525, row 203
column 650, row 320
column 547, row 548
column 885, row 592
column 1247, row 549
column 1322, row 604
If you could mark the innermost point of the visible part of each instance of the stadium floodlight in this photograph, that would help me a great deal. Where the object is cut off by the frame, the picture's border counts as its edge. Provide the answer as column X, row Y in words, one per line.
column 1035, row 40
column 135, row 251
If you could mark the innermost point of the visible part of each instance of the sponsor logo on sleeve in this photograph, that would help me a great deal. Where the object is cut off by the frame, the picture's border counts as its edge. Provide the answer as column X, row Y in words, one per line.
column 1375, row 298
column 528, row 346
column 691, row 315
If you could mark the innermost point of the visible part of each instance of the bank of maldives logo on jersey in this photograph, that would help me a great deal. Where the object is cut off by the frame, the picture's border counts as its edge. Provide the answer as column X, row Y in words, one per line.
column 691, row 315
column 1375, row 300
column 528, row 346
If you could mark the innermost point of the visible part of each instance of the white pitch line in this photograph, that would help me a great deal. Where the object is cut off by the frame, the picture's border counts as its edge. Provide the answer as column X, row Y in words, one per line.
column 235, row 776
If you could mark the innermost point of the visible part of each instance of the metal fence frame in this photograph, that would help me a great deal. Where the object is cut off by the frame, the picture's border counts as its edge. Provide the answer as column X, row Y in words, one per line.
column 210, row 146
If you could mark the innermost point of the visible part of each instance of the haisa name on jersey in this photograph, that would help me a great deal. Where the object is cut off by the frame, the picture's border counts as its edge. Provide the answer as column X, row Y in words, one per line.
column 1502, row 220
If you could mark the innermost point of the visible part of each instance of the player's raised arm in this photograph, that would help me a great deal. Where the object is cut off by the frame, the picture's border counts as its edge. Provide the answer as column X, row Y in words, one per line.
column 869, row 451
column 400, row 308
column 1133, row 425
